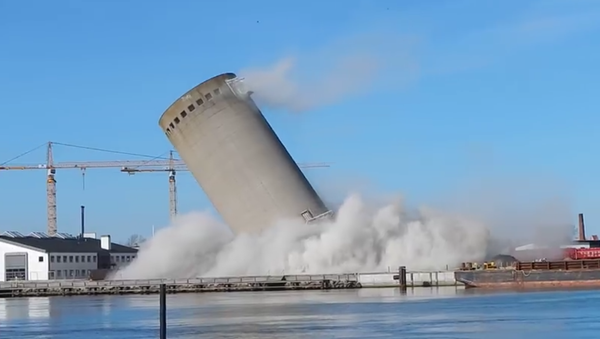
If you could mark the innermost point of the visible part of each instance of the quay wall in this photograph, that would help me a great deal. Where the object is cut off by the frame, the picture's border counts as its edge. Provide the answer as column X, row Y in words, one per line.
column 373, row 279
column 227, row 284
column 413, row 279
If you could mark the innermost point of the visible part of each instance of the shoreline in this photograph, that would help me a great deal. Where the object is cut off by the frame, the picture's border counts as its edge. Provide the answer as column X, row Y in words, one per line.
column 227, row 284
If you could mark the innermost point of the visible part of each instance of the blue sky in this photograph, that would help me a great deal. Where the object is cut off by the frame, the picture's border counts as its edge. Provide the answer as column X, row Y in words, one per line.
column 470, row 94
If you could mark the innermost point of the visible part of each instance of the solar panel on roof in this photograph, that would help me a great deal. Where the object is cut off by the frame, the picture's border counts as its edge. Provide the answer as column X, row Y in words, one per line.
column 38, row 235
column 13, row 234
column 64, row 236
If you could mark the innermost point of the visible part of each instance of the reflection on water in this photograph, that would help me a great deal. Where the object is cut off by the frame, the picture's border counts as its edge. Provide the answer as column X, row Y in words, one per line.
column 24, row 308
column 365, row 313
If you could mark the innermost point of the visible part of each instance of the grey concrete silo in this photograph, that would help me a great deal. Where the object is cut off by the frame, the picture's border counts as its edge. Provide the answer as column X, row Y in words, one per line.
column 237, row 158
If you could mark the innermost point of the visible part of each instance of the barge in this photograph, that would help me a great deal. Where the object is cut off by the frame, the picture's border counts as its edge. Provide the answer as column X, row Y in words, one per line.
column 565, row 273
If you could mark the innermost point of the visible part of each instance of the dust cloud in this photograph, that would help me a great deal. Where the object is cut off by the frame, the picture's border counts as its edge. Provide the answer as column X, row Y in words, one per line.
column 519, row 210
column 361, row 238
column 275, row 87
column 350, row 67
column 366, row 235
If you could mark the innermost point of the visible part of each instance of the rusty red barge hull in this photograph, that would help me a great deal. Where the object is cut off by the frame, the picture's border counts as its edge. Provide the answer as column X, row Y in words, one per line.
column 576, row 273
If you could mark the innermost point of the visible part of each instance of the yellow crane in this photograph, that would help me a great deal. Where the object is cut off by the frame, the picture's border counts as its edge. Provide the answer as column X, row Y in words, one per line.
column 155, row 164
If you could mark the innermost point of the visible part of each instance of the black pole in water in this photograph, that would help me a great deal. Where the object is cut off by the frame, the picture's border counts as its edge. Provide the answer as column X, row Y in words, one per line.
column 163, row 311
column 402, row 278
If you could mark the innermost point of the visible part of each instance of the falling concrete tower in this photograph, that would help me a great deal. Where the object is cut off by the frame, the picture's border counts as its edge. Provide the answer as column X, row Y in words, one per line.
column 237, row 158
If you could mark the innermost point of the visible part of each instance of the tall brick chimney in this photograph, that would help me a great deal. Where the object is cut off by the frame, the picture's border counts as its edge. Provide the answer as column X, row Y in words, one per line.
column 581, row 227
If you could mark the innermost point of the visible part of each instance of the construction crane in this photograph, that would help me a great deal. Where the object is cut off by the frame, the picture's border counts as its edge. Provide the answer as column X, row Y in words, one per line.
column 154, row 164
column 175, row 165
column 50, row 166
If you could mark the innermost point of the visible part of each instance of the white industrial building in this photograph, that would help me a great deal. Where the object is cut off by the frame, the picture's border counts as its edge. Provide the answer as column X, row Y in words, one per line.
column 38, row 256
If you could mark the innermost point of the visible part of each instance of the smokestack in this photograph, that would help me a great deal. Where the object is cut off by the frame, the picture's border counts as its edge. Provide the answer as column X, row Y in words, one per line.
column 82, row 222
column 581, row 227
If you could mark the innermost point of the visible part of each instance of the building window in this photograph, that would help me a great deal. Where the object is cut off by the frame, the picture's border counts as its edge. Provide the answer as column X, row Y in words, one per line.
column 123, row 258
column 177, row 121
column 94, row 258
column 40, row 259
column 172, row 126
column 208, row 96
column 14, row 274
column 133, row 257
column 77, row 273
column 117, row 258
column 199, row 102
column 70, row 258
column 58, row 258
column 51, row 258
column 58, row 273
column 71, row 273
column 217, row 91
column 76, row 258
column 89, row 258
column 51, row 275
column 64, row 258
column 168, row 131
column 191, row 108
column 128, row 258
column 66, row 274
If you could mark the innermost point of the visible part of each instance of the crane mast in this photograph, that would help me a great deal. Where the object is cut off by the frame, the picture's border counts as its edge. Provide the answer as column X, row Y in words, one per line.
column 51, row 192
column 172, row 188
column 172, row 195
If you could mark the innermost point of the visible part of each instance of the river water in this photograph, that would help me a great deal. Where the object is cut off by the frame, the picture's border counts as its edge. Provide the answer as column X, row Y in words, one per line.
column 366, row 313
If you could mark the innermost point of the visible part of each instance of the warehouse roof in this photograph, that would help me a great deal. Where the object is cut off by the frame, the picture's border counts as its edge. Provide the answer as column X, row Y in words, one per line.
column 58, row 245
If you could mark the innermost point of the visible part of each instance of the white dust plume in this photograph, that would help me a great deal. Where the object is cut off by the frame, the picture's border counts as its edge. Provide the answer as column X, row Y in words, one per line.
column 353, row 67
column 520, row 211
column 279, row 86
column 360, row 239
